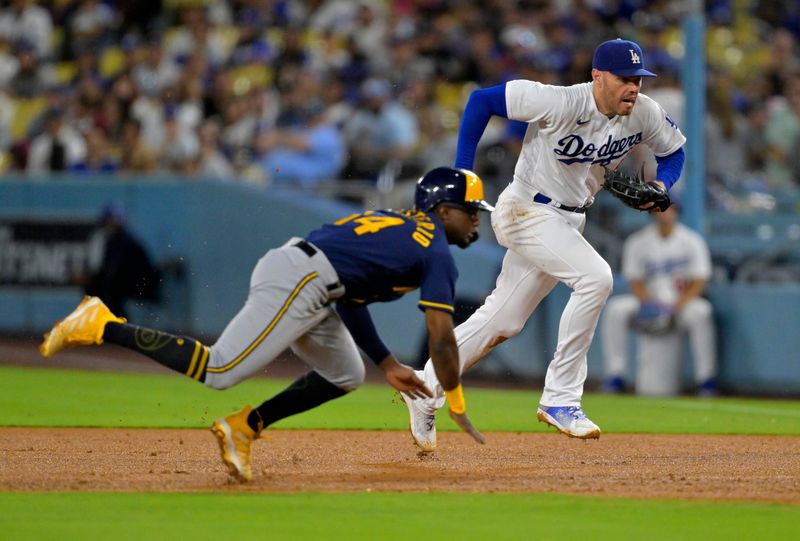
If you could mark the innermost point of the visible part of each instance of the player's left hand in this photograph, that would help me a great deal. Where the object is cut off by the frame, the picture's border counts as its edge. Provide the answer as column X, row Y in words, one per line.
column 634, row 192
column 651, row 206
column 403, row 378
column 466, row 425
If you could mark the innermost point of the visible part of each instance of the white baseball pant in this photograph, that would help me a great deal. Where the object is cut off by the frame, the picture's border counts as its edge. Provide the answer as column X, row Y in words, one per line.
column 695, row 320
column 545, row 245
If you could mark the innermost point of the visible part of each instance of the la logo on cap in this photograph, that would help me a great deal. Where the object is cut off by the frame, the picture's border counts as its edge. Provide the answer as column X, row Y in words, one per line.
column 622, row 57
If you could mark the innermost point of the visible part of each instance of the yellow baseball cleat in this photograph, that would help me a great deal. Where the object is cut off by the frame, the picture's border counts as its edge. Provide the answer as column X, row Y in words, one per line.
column 84, row 326
column 235, row 438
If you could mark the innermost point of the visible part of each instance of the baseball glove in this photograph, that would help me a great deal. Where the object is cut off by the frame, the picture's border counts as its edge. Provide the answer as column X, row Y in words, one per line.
column 654, row 318
column 635, row 192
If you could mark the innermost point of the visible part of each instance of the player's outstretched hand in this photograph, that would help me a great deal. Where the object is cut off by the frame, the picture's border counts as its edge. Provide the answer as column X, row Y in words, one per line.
column 465, row 424
column 403, row 378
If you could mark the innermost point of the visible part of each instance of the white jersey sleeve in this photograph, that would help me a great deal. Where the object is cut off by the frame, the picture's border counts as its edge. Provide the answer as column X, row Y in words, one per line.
column 532, row 101
column 660, row 131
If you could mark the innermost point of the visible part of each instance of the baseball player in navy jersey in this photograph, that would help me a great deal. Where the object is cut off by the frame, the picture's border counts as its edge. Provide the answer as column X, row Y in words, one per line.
column 572, row 132
column 360, row 259
column 666, row 265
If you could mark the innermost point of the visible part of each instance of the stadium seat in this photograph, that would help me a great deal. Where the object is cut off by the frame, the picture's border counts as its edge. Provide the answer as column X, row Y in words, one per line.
column 26, row 111
column 251, row 76
column 65, row 72
column 112, row 61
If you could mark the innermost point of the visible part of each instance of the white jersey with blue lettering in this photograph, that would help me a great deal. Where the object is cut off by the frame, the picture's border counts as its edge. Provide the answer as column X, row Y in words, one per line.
column 540, row 218
column 569, row 139
column 666, row 265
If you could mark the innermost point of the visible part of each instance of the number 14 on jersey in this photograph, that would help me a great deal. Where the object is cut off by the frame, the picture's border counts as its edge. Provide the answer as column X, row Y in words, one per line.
column 369, row 222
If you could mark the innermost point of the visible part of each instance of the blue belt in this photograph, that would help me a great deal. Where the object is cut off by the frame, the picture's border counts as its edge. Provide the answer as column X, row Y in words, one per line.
column 544, row 200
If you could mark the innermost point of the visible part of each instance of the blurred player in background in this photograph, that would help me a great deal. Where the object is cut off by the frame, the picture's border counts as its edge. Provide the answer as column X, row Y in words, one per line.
column 667, row 266
column 121, row 269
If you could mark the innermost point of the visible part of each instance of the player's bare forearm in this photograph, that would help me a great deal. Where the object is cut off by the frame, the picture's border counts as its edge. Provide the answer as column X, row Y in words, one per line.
column 443, row 348
column 445, row 363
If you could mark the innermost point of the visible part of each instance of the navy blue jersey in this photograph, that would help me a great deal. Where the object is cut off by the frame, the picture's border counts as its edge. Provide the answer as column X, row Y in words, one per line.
column 381, row 255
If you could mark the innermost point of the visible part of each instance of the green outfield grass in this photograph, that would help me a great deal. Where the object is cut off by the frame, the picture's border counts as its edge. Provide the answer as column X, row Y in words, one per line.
column 351, row 517
column 73, row 398
column 56, row 397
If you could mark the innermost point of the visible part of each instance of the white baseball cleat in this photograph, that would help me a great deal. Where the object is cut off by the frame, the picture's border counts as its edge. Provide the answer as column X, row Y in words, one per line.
column 422, row 423
column 569, row 420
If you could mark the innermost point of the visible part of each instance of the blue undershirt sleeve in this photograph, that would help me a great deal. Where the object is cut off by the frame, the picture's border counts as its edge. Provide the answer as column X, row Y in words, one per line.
column 358, row 321
column 482, row 104
column 670, row 167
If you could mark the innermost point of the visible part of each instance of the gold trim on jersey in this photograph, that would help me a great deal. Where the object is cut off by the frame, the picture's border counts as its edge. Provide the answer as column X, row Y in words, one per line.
column 403, row 289
column 446, row 307
column 474, row 191
column 261, row 337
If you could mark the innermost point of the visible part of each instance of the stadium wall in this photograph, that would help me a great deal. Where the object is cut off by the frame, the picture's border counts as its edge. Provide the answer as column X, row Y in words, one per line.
column 209, row 235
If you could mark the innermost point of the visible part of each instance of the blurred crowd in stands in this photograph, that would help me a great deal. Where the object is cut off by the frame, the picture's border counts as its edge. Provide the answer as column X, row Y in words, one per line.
column 298, row 92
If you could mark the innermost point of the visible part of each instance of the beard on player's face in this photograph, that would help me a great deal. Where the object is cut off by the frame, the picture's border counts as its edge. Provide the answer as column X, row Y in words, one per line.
column 625, row 92
column 617, row 95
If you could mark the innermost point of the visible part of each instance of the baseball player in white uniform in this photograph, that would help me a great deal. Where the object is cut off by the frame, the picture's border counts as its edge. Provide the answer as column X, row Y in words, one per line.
column 572, row 132
column 666, row 265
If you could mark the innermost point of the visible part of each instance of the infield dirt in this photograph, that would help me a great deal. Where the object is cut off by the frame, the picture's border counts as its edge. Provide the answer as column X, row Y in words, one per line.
column 754, row 468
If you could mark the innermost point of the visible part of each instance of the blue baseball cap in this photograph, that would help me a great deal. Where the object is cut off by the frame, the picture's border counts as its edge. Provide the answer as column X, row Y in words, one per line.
column 621, row 57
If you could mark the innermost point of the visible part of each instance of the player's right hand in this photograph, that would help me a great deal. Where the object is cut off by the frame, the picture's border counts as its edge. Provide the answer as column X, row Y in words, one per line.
column 403, row 378
column 465, row 424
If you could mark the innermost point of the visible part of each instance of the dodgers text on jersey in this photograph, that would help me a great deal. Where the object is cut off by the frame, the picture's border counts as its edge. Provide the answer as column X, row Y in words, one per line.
column 575, row 150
